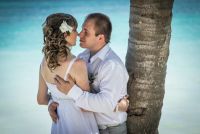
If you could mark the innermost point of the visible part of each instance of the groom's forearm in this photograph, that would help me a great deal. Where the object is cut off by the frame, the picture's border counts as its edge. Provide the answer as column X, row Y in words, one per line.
column 100, row 102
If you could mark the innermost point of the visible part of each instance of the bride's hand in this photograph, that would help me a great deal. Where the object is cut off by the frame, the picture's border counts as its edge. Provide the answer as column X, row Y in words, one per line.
column 62, row 85
column 122, row 105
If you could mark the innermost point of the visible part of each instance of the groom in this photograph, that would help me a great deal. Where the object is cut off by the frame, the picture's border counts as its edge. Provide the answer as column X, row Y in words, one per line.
column 107, row 74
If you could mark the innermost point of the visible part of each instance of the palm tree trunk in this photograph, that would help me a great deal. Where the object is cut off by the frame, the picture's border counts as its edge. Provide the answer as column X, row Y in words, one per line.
column 146, row 62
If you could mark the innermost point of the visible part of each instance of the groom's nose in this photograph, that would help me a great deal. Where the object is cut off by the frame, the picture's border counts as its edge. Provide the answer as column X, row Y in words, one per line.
column 80, row 34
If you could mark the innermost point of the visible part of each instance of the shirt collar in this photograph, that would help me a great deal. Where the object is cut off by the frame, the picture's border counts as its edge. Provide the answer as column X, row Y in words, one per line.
column 100, row 54
column 85, row 55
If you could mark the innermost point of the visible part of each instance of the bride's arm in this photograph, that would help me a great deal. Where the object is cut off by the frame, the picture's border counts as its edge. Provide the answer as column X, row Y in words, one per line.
column 81, row 75
column 42, row 96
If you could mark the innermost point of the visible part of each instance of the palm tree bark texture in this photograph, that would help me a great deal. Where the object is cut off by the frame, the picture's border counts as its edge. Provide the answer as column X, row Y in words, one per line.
column 146, row 62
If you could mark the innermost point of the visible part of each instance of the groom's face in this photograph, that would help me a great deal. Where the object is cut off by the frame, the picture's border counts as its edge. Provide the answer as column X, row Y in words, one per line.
column 88, row 39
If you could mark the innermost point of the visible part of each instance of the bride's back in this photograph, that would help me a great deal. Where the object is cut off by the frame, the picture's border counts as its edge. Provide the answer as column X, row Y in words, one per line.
column 49, row 75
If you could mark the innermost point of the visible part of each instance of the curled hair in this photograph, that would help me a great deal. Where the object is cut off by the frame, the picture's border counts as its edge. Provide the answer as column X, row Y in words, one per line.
column 55, row 47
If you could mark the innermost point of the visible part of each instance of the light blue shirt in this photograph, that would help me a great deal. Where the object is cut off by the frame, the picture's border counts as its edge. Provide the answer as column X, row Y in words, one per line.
column 110, row 85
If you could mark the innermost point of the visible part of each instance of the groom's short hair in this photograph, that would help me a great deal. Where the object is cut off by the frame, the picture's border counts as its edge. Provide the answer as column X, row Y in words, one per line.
column 102, row 25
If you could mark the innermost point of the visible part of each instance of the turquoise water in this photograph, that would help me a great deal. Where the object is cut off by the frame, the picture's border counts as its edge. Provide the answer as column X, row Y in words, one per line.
column 20, row 56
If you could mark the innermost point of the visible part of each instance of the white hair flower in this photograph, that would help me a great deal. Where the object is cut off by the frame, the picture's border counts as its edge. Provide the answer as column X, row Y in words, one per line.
column 64, row 27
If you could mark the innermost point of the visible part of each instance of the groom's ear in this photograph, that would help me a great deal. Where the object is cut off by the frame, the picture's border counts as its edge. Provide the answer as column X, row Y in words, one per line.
column 101, row 37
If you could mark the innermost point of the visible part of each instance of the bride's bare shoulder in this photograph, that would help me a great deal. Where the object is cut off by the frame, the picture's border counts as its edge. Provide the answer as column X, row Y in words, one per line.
column 80, row 62
column 80, row 65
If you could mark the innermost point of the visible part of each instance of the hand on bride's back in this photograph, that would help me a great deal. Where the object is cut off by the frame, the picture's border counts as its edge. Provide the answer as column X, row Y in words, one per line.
column 53, row 111
column 62, row 85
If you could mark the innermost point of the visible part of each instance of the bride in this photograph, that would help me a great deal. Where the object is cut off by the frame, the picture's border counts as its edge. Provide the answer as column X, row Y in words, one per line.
column 59, row 35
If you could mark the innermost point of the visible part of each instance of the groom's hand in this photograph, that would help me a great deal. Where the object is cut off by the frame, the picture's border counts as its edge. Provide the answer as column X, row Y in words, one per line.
column 62, row 85
column 53, row 111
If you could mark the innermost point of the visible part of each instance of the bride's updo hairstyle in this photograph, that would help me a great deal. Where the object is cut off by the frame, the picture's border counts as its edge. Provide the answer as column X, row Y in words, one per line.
column 55, row 48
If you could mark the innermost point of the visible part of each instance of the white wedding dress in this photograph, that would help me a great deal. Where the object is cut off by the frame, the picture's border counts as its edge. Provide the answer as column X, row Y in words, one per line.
column 71, row 119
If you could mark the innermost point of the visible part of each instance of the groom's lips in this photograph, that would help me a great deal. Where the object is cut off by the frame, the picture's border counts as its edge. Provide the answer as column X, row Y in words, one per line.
column 81, row 41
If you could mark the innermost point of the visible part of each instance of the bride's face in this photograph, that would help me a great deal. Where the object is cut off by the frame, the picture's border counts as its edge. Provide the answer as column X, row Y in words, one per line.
column 71, row 39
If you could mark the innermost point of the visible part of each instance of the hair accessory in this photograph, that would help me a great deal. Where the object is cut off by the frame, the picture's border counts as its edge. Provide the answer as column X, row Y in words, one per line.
column 64, row 27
